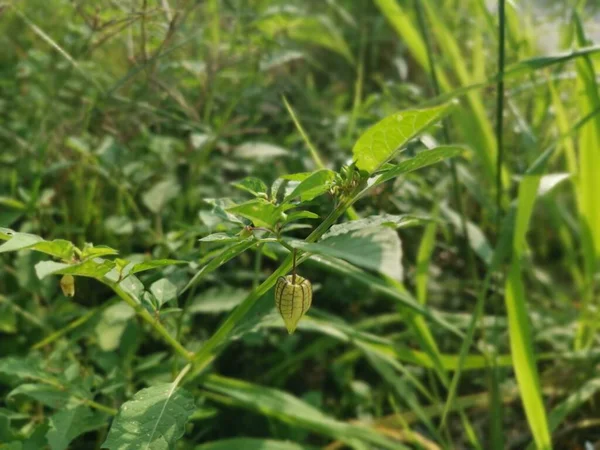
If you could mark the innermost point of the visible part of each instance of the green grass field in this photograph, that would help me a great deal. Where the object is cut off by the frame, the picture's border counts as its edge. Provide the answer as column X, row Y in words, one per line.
column 423, row 174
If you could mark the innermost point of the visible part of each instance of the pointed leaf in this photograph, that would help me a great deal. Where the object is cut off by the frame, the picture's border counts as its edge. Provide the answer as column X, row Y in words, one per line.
column 380, row 143
column 373, row 248
column 153, row 420
column 312, row 186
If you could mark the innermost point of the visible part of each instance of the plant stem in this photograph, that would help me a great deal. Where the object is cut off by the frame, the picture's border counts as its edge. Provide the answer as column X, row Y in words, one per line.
column 150, row 319
column 205, row 354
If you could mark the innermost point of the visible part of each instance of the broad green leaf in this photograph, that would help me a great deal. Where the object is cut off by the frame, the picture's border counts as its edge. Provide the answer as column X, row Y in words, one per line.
column 21, row 241
column 477, row 239
column 373, row 248
column 259, row 151
column 521, row 341
column 94, row 268
column 163, row 291
column 312, row 186
column 312, row 30
column 224, row 255
column 382, row 141
column 422, row 159
column 112, row 324
column 67, row 424
column 388, row 220
column 252, row 444
column 285, row 407
column 217, row 300
column 49, row 395
column 160, row 195
column 28, row 368
column 253, row 185
column 153, row 420
column 261, row 212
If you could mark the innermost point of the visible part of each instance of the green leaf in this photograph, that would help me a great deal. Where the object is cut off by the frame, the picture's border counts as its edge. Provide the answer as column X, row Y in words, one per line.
column 259, row 151
column 285, row 407
column 261, row 212
column 94, row 268
column 253, row 185
column 388, row 220
column 521, row 341
column 373, row 248
column 225, row 255
column 153, row 420
column 220, row 237
column 49, row 395
column 422, row 159
column 21, row 241
column 91, row 251
column 217, row 300
column 160, row 194
column 252, row 444
column 382, row 141
column 312, row 186
column 318, row 31
column 298, row 215
column 67, row 424
column 164, row 291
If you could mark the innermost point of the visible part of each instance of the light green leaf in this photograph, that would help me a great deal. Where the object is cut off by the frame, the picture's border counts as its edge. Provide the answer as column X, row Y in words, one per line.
column 217, row 300
column 21, row 241
column 312, row 186
column 164, row 291
column 389, row 220
column 373, row 248
column 259, row 151
column 94, row 268
column 298, row 215
column 422, row 159
column 382, row 141
column 261, row 212
column 49, row 395
column 220, row 237
column 318, row 31
column 153, row 420
column 91, row 251
column 160, row 194
column 252, row 444
column 253, row 185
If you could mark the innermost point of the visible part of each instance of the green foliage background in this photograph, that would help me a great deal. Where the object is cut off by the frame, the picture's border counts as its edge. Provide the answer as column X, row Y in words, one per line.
column 149, row 127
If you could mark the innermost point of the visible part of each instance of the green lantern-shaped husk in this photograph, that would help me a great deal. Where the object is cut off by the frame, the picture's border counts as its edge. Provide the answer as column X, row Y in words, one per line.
column 293, row 297
column 67, row 284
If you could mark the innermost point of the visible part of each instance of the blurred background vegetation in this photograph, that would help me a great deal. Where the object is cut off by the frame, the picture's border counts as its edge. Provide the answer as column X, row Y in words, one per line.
column 120, row 118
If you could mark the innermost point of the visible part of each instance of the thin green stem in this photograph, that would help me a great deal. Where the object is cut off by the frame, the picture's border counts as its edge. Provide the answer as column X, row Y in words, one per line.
column 206, row 353
column 150, row 320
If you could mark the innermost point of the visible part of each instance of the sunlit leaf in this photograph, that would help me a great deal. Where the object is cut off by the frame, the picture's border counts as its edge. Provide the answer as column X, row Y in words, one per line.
column 154, row 419
column 382, row 141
